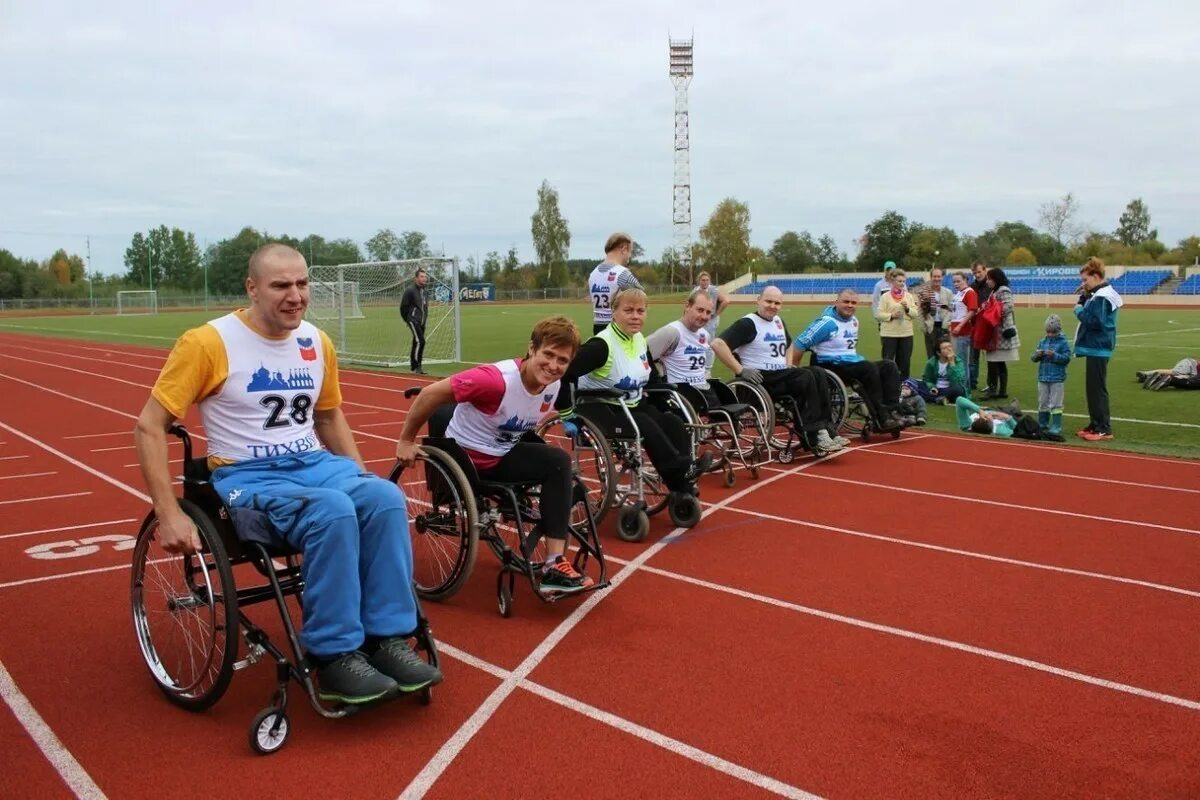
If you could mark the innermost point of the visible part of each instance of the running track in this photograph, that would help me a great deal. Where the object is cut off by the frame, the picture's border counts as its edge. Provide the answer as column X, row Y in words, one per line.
column 816, row 635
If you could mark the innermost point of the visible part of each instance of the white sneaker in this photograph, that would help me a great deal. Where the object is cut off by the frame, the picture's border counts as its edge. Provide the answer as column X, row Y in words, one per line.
column 824, row 442
column 841, row 441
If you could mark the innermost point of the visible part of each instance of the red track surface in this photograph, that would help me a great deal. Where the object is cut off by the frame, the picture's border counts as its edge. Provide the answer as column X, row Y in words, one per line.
column 815, row 634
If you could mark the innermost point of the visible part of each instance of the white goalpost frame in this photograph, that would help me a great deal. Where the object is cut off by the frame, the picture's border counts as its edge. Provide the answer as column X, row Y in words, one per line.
column 362, row 311
column 125, row 308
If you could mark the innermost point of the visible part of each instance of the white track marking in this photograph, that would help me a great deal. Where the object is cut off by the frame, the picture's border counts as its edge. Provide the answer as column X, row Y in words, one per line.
column 1157, row 333
column 982, row 501
column 70, row 770
column 11, row 458
column 1048, row 473
column 80, row 371
column 60, row 576
column 1141, row 421
column 1104, row 683
column 975, row 440
column 96, row 435
column 445, row 756
column 42, row 497
column 26, row 475
column 18, row 328
column 968, row 553
column 85, row 467
column 650, row 735
column 67, row 528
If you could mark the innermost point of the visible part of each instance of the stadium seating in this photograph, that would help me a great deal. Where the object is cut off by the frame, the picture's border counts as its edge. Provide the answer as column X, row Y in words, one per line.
column 1189, row 286
column 1131, row 283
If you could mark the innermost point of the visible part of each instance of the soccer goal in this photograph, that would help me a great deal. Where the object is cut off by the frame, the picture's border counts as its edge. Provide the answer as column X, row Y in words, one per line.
column 358, row 305
column 137, row 301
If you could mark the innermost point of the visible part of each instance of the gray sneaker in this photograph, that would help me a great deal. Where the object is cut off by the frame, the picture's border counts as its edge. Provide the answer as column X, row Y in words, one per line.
column 396, row 659
column 351, row 679
column 841, row 441
column 826, row 443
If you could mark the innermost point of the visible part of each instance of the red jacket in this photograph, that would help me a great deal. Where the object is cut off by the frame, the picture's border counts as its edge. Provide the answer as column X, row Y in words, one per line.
column 984, row 335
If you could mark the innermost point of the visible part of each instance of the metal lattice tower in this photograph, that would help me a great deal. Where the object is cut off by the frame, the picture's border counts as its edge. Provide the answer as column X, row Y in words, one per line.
column 681, row 213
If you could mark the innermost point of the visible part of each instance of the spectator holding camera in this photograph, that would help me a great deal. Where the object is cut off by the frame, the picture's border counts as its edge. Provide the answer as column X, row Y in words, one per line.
column 1052, row 356
column 935, row 301
column 1005, row 343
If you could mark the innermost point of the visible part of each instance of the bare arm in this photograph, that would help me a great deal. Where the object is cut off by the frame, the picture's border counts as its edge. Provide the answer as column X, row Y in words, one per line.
column 428, row 401
column 333, row 430
column 176, row 533
column 795, row 356
column 725, row 355
column 722, row 302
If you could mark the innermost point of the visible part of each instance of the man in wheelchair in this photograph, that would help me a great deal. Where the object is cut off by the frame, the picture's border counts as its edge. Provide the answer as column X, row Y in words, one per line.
column 833, row 337
column 266, row 383
column 754, row 349
column 487, row 409
column 616, row 359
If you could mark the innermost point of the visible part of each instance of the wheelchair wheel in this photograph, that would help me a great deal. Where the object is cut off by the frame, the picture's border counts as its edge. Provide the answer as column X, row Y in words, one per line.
column 839, row 399
column 442, row 521
column 785, row 455
column 684, row 509
column 185, row 613
column 632, row 524
column 592, row 458
column 269, row 731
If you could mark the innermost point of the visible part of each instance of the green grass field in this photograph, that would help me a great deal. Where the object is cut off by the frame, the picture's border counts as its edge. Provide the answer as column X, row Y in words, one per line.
column 1149, row 338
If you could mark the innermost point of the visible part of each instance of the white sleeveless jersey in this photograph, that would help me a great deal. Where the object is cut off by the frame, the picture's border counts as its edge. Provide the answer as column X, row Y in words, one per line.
column 960, row 306
column 627, row 369
column 843, row 343
column 602, row 285
column 768, row 350
column 686, row 363
column 265, row 407
column 519, row 411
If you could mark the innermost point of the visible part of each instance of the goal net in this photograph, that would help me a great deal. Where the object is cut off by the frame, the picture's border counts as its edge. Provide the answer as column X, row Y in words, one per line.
column 358, row 305
column 138, row 301
column 330, row 300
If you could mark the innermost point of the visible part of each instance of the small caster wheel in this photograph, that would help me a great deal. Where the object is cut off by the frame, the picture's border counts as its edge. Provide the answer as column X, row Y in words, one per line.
column 896, row 433
column 427, row 696
column 684, row 509
column 632, row 524
column 504, row 599
column 754, row 473
column 866, row 433
column 730, row 480
column 269, row 731
column 786, row 455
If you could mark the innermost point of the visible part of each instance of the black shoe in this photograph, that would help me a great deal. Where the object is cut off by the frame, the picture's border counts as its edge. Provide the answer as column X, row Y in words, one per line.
column 701, row 466
column 396, row 660
column 559, row 575
column 419, row 371
column 351, row 679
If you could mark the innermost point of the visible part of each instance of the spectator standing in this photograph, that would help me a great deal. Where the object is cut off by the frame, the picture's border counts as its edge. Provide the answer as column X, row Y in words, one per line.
column 720, row 301
column 609, row 277
column 881, row 287
column 982, row 293
column 1052, row 356
column 1006, row 344
column 935, row 301
column 1095, row 340
column 962, row 324
column 414, row 310
column 897, row 311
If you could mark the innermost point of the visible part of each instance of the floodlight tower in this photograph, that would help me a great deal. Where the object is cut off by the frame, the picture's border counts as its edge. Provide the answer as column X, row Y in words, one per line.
column 680, row 66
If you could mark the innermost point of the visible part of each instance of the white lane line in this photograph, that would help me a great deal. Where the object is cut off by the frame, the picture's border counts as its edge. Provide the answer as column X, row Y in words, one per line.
column 974, row 440
column 1038, row 666
column 1047, row 473
column 1169, row 332
column 441, row 760
column 85, row 467
column 982, row 501
column 650, row 735
column 62, row 575
column 19, row 328
column 70, row 770
column 26, row 475
column 80, row 371
column 42, row 497
column 380, row 424
column 11, row 458
column 128, row 432
column 1141, row 421
column 969, row 553
column 67, row 528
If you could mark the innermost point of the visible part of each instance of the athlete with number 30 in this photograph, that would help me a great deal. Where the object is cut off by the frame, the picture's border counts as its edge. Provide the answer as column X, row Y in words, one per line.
column 266, row 383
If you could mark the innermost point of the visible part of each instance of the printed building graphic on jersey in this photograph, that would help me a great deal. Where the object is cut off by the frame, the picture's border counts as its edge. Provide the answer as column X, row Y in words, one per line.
column 511, row 430
column 264, row 380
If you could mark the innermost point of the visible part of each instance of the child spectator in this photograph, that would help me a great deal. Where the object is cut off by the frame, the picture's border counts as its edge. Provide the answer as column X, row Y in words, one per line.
column 980, row 420
column 1052, row 356
column 912, row 405
column 944, row 379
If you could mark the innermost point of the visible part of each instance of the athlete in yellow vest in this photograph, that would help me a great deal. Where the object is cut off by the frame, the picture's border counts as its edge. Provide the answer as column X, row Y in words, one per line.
column 266, row 383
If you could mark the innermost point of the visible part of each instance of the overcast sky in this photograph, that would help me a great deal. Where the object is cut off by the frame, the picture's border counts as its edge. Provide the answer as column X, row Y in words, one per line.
column 340, row 118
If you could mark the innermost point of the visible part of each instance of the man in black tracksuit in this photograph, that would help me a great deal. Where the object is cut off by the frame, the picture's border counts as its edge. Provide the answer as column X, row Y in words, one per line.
column 414, row 310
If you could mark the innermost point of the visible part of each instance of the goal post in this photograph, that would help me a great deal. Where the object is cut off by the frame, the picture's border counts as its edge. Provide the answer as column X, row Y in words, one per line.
column 137, row 301
column 358, row 306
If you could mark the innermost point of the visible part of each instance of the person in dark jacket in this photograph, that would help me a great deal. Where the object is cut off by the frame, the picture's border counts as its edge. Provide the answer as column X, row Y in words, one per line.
column 1052, row 355
column 414, row 310
column 982, row 292
column 1095, row 340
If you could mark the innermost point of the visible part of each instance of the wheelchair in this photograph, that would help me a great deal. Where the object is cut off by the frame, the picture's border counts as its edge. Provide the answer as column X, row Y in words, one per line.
column 609, row 456
column 851, row 412
column 451, row 508
column 780, row 418
column 188, row 611
column 734, row 431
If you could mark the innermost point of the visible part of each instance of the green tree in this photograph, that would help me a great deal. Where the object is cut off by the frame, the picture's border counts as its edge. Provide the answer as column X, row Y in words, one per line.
column 1133, row 227
column 14, row 273
column 827, row 254
column 512, row 262
column 413, row 244
column 317, row 250
column 794, row 252
column 725, row 239
column 229, row 259
column 491, row 266
column 884, row 239
column 383, row 246
column 551, row 236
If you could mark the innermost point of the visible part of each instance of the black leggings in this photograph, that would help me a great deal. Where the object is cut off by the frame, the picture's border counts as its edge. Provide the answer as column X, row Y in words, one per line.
column 879, row 380
column 899, row 349
column 808, row 387
column 534, row 463
column 997, row 376
column 667, row 441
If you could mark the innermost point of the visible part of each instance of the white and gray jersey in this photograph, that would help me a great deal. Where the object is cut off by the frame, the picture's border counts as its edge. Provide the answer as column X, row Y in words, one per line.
column 683, row 353
column 764, row 347
column 604, row 282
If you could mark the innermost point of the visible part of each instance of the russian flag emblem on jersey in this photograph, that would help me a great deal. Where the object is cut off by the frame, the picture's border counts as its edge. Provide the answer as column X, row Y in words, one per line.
column 307, row 351
column 700, row 338
column 547, row 399
column 612, row 276
column 778, row 322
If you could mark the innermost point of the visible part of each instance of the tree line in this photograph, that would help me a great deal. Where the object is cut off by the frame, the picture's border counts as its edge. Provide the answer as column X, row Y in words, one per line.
column 171, row 259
